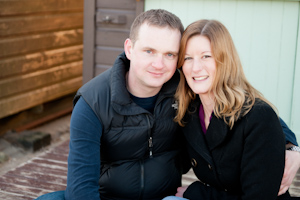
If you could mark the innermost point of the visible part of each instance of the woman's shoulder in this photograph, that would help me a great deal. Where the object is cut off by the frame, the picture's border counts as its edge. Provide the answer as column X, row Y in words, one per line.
column 261, row 111
column 260, row 106
column 262, row 121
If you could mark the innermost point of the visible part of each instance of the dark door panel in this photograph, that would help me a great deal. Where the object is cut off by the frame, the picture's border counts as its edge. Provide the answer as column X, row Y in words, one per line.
column 106, row 26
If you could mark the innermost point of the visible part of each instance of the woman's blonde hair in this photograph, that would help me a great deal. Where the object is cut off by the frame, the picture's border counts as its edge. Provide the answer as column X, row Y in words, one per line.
column 234, row 95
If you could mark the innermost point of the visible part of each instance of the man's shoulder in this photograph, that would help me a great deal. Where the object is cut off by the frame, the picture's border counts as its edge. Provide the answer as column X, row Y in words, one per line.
column 103, row 77
column 100, row 81
column 94, row 87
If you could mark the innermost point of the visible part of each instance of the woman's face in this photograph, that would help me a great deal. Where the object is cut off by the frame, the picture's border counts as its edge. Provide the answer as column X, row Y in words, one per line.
column 199, row 66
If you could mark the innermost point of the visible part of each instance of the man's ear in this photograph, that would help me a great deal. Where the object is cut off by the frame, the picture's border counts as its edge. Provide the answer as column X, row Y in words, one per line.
column 128, row 48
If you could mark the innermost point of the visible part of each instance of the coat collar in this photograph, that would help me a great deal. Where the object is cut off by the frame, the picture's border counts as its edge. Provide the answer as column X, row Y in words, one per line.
column 217, row 132
column 215, row 135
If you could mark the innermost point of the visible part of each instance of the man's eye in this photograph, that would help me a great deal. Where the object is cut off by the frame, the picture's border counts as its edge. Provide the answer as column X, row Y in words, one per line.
column 170, row 55
column 148, row 51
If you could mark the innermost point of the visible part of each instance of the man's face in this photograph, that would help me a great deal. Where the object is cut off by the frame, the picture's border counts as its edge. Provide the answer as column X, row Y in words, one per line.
column 153, row 59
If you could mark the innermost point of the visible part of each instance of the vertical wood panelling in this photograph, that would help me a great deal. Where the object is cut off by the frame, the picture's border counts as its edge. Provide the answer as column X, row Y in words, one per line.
column 287, row 59
column 265, row 34
column 40, row 52
column 89, row 40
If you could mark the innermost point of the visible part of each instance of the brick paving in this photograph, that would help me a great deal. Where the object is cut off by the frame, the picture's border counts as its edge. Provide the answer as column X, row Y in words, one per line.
column 42, row 174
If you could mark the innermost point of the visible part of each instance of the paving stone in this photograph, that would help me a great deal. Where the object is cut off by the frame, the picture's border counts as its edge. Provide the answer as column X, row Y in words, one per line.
column 3, row 157
column 29, row 140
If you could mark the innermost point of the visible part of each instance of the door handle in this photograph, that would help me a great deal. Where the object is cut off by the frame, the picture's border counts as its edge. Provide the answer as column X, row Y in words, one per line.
column 111, row 19
column 107, row 19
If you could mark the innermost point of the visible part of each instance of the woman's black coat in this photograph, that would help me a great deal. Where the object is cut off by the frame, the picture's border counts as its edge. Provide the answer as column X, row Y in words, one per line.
column 246, row 162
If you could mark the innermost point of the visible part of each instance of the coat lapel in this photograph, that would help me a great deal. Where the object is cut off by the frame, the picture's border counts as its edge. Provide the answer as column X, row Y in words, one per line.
column 195, row 136
column 216, row 132
column 215, row 135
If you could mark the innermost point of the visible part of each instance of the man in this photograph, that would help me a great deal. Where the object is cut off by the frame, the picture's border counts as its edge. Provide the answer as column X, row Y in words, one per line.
column 125, row 116
column 124, row 143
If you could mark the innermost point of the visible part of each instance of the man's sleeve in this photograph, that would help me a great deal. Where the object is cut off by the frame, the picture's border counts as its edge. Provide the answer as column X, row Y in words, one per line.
column 289, row 135
column 84, row 154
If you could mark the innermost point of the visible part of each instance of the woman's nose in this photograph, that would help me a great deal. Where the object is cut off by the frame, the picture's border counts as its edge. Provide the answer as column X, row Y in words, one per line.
column 198, row 65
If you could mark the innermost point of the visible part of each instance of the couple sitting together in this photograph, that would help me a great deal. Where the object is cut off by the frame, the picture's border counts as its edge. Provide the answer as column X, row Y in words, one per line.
column 177, row 99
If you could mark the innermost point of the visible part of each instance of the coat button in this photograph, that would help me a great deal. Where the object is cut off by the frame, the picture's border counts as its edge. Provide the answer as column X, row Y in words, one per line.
column 194, row 162
column 209, row 167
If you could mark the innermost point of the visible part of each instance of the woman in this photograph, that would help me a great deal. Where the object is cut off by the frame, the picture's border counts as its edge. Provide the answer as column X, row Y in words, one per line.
column 235, row 140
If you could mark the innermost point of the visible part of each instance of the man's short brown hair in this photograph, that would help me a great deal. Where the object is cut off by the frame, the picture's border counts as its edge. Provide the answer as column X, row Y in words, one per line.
column 155, row 17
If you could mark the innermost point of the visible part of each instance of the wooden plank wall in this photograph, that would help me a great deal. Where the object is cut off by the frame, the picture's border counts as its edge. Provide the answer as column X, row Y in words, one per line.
column 40, row 52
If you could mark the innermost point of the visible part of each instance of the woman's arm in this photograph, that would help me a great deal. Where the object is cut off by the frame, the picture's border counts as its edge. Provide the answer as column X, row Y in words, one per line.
column 84, row 155
column 263, row 155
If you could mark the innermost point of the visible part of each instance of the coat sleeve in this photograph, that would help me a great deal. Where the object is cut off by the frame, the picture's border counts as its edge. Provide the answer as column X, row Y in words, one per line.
column 184, row 159
column 263, row 157
column 198, row 191
column 84, row 154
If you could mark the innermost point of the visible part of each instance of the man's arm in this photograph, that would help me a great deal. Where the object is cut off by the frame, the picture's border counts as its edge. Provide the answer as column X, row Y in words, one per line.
column 84, row 155
column 292, row 159
column 289, row 135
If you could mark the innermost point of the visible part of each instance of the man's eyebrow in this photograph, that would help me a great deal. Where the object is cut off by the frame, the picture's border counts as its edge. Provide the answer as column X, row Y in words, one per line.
column 148, row 47
column 173, row 52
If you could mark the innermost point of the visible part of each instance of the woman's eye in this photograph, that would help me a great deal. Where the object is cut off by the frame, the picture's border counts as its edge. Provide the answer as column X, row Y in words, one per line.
column 148, row 51
column 187, row 58
column 206, row 56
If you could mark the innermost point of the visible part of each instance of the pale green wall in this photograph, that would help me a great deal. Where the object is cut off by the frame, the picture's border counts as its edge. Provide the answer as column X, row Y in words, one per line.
column 295, row 119
column 266, row 36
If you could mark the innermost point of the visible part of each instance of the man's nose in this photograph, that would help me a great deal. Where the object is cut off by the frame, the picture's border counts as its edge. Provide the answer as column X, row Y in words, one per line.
column 158, row 62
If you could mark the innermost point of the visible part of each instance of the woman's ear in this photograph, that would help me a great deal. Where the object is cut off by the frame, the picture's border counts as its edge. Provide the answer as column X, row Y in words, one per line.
column 128, row 48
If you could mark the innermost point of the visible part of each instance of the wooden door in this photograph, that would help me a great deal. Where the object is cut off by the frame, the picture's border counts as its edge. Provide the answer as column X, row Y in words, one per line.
column 106, row 27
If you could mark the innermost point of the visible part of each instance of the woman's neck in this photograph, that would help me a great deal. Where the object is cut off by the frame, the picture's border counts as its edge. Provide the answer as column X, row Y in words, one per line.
column 208, row 107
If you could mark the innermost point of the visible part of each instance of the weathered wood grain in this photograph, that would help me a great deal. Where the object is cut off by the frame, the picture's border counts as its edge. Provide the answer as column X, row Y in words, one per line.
column 30, row 118
column 18, row 7
column 14, row 26
column 24, row 64
column 42, row 78
column 40, row 58
column 40, row 42
column 23, row 101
